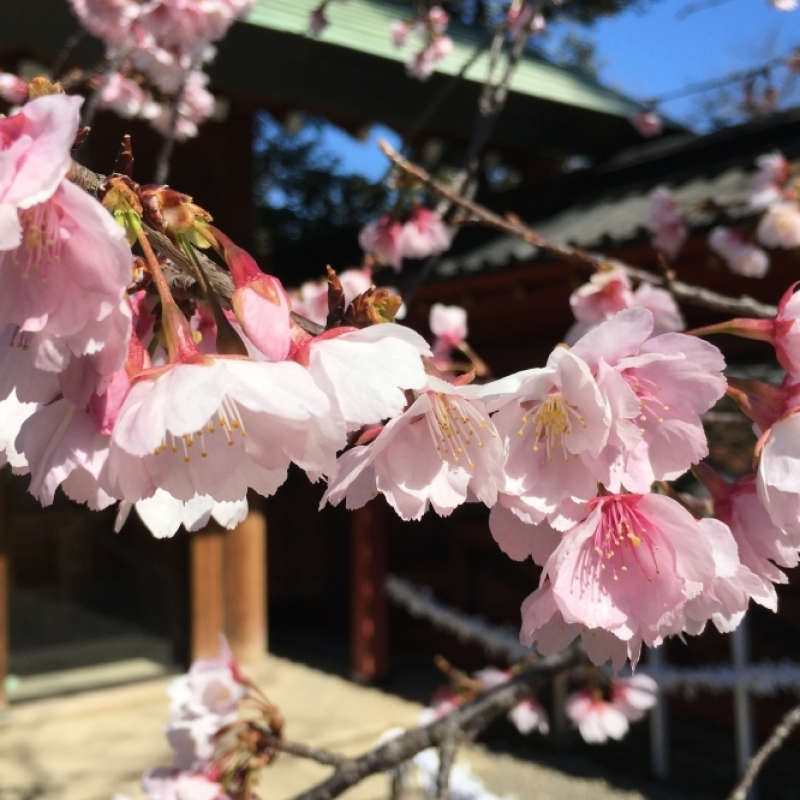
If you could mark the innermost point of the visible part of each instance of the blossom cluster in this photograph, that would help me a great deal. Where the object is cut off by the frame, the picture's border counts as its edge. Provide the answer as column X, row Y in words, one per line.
column 160, row 45
column 203, row 702
column 774, row 196
column 112, row 391
column 435, row 44
column 389, row 241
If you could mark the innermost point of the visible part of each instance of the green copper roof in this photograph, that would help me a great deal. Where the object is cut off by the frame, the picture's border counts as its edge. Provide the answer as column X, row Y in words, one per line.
column 363, row 25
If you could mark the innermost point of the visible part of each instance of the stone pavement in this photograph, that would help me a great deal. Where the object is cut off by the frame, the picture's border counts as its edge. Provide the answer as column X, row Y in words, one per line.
column 92, row 745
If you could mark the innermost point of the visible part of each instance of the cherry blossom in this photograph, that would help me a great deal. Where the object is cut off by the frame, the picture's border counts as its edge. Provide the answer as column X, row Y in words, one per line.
column 259, row 301
column 656, row 389
column 423, row 235
column 34, row 159
column 548, row 422
column 449, row 325
column 780, row 226
column 628, row 569
column 724, row 600
column 215, row 427
column 13, row 89
column 666, row 223
column 769, row 180
column 164, row 515
column 365, row 375
column 527, row 716
column 69, row 271
column 647, row 123
column 608, row 292
column 382, row 240
column 742, row 257
column 449, row 440
column 599, row 719
column 172, row 784
column 520, row 540
column 783, row 331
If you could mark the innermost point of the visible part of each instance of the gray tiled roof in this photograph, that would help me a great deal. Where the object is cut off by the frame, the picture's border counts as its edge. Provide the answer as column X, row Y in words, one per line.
column 694, row 170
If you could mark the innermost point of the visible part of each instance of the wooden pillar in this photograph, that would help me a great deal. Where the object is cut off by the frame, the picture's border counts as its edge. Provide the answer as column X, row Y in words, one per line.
column 246, row 586
column 369, row 629
column 207, row 549
column 5, row 578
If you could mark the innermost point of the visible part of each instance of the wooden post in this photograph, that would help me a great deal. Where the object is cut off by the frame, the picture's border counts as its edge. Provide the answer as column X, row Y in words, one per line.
column 5, row 577
column 369, row 630
column 207, row 550
column 246, row 586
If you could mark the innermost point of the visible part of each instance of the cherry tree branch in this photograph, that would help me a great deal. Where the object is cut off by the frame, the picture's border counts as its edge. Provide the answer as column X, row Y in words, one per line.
column 470, row 718
column 694, row 295
column 778, row 736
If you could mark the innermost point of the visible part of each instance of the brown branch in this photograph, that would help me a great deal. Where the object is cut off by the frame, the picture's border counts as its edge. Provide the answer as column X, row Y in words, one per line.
column 694, row 295
column 778, row 736
column 300, row 750
column 470, row 718
column 447, row 755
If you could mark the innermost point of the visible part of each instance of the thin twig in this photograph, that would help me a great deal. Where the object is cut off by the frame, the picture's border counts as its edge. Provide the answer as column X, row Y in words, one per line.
column 474, row 715
column 93, row 103
column 447, row 755
column 168, row 144
column 694, row 295
column 778, row 736
column 300, row 750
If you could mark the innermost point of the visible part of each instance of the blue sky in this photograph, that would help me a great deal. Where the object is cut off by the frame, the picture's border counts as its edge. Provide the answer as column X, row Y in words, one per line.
column 651, row 53
column 655, row 52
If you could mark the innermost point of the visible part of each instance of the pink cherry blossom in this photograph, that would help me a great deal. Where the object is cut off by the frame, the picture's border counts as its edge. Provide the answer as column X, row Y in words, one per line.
column 70, row 270
column 661, row 304
column 520, row 540
column 438, row 19
column 124, row 96
column 442, row 448
column 628, row 569
column 742, row 257
column 13, row 90
column 769, row 180
column 778, row 476
column 214, row 427
column 164, row 515
column 171, row 784
column 647, row 123
column 365, row 375
column 656, row 389
column 666, row 223
column 423, row 235
column 399, row 31
column 725, row 599
column 780, row 226
column 763, row 547
column 444, row 701
column 212, row 686
column 34, row 158
column 599, row 719
column 548, row 423
column 58, row 439
column 529, row 716
column 381, row 239
column 449, row 325
column 608, row 292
